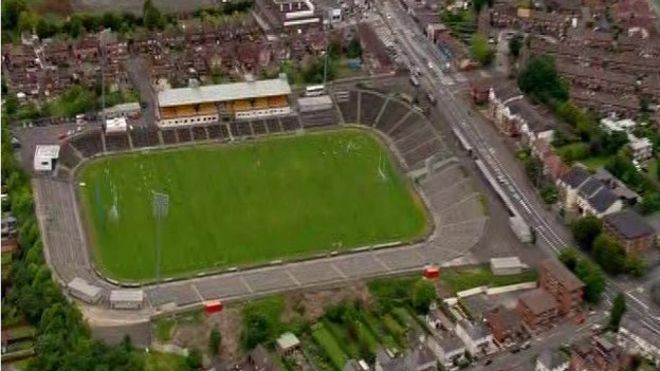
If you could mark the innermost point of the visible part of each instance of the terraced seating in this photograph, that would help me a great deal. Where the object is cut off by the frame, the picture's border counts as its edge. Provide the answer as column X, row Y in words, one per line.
column 370, row 107
column 273, row 126
column 467, row 209
column 412, row 140
column 88, row 143
column 144, row 137
column 290, row 123
column 68, row 156
column 319, row 119
column 259, row 127
column 214, row 131
column 243, row 128
column 348, row 105
column 394, row 111
column 116, row 142
column 442, row 198
column 169, row 136
column 415, row 156
column 199, row 133
column 233, row 128
column 184, row 135
column 443, row 178
column 412, row 123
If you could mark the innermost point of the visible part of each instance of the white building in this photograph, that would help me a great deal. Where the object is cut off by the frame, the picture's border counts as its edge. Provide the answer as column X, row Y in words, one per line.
column 45, row 157
column 641, row 148
column 583, row 194
column 625, row 125
column 122, row 110
column 477, row 337
column 126, row 299
column 506, row 266
column 82, row 290
column 116, row 125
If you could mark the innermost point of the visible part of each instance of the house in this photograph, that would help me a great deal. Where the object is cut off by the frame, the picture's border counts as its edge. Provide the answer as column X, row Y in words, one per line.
column 597, row 353
column 87, row 49
column 537, row 308
column 562, row 284
column 436, row 320
column 630, row 230
column 448, row 349
column 420, row 358
column 638, row 339
column 585, row 195
column 625, row 194
column 551, row 360
column 476, row 336
column 479, row 91
column 386, row 360
column 476, row 306
column 287, row 343
column 506, row 325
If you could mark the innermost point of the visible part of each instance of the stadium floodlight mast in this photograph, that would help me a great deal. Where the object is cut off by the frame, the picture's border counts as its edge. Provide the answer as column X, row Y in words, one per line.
column 161, row 205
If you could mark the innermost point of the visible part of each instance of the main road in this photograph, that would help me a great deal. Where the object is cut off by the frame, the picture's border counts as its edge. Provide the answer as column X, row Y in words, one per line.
column 552, row 235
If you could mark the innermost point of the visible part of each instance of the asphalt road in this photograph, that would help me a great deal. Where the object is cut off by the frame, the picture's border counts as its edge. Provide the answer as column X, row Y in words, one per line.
column 552, row 235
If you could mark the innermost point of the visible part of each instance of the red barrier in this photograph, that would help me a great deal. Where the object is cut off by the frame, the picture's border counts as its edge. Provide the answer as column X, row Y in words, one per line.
column 431, row 272
column 214, row 306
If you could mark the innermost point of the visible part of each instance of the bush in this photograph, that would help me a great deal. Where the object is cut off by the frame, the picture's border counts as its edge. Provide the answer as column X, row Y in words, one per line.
column 215, row 339
column 609, row 254
column 480, row 50
column 540, row 79
column 423, row 295
column 585, row 230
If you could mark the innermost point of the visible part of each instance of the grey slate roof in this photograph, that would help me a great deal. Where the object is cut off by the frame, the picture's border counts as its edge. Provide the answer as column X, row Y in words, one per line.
column 450, row 343
column 629, row 224
column 576, row 176
column 590, row 187
column 603, row 199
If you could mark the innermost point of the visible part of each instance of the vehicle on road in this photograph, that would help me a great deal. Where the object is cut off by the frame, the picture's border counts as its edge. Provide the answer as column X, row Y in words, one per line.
column 314, row 90
column 414, row 81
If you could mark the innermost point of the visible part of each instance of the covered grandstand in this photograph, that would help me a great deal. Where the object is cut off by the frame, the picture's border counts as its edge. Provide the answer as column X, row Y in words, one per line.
column 234, row 101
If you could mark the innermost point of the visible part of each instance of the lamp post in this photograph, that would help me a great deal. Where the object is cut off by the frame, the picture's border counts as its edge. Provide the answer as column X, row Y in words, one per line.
column 161, row 204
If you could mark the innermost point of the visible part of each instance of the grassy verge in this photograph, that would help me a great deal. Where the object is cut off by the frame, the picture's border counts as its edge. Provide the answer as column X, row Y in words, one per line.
column 467, row 279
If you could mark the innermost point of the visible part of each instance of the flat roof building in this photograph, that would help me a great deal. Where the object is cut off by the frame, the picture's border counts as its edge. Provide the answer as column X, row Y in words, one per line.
column 45, row 157
column 507, row 265
column 82, row 290
column 126, row 299
column 566, row 288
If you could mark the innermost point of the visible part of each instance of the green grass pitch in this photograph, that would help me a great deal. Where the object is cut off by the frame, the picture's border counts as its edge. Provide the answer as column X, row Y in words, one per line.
column 251, row 203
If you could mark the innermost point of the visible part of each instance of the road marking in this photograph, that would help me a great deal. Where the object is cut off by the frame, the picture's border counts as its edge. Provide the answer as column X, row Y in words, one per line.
column 244, row 282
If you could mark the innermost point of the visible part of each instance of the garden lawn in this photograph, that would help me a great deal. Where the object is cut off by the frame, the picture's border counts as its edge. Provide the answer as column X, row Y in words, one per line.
column 459, row 280
column 285, row 197
column 328, row 343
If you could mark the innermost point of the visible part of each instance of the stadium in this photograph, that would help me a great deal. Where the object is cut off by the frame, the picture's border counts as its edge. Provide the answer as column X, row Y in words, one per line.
column 404, row 202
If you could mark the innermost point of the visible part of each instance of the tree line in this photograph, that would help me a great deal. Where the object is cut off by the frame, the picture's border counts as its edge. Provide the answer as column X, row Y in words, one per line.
column 63, row 341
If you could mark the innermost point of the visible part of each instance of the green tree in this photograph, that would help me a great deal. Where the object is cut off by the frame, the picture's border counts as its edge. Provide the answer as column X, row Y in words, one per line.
column 478, row 5
column 549, row 194
column 480, row 50
column 423, row 295
column 215, row 339
column 46, row 29
column 609, row 254
column 257, row 329
column 354, row 49
column 11, row 10
column 151, row 16
column 11, row 104
column 650, row 203
column 534, row 170
column 592, row 277
column 617, row 311
column 515, row 44
column 539, row 78
column 111, row 20
column 585, row 230
column 636, row 265
column 75, row 27
column 26, row 21
column 570, row 257
column 194, row 359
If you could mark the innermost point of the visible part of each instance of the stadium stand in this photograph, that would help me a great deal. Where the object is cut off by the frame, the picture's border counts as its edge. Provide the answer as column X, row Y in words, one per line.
column 393, row 113
column 370, row 107
column 319, row 118
column 258, row 127
column 244, row 129
column 290, row 123
column 199, row 133
column 68, row 156
column 413, row 139
column 88, row 143
column 348, row 105
column 117, row 142
column 273, row 125
column 215, row 132
column 169, row 136
column 409, row 125
column 184, row 135
column 144, row 137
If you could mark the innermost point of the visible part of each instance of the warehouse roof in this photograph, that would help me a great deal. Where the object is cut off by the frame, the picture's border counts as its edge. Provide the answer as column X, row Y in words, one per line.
column 224, row 92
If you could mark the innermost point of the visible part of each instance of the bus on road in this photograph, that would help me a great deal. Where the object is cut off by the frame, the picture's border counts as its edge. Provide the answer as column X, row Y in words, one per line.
column 314, row 90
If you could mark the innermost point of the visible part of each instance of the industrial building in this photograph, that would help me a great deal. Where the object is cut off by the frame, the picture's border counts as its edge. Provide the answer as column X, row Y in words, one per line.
column 224, row 102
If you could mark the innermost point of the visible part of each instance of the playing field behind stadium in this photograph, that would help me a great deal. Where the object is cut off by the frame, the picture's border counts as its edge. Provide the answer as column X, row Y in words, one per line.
column 250, row 203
